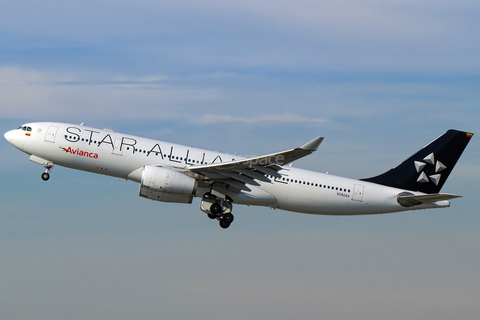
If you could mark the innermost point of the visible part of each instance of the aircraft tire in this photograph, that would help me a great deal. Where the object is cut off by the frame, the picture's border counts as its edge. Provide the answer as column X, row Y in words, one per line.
column 224, row 224
column 211, row 216
column 215, row 208
column 45, row 176
column 228, row 217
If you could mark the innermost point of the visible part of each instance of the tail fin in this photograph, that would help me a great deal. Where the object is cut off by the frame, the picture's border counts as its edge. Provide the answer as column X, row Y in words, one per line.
column 428, row 169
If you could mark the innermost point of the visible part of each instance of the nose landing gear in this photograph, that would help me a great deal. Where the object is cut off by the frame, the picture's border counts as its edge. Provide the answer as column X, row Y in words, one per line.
column 46, row 174
column 218, row 208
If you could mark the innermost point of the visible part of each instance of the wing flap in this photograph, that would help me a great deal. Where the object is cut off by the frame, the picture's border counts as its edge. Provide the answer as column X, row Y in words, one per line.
column 236, row 184
column 253, row 174
column 267, row 171
column 240, row 177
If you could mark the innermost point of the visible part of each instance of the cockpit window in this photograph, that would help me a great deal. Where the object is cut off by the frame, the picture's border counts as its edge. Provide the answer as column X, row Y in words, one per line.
column 25, row 128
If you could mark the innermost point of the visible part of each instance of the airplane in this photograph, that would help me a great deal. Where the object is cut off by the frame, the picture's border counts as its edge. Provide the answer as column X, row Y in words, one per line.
column 170, row 172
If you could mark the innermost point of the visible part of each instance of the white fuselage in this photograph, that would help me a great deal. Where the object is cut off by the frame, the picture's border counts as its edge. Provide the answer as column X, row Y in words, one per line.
column 124, row 156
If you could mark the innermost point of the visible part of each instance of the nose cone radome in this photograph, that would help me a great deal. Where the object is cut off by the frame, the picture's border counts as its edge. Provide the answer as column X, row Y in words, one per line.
column 9, row 136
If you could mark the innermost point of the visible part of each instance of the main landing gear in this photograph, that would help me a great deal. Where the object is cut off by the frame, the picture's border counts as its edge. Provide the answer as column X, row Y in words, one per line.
column 218, row 208
column 46, row 174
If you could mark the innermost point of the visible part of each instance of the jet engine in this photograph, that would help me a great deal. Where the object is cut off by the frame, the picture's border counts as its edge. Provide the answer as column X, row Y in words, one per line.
column 167, row 185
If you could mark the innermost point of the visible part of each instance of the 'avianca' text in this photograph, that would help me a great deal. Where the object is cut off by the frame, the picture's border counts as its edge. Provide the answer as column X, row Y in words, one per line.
column 81, row 153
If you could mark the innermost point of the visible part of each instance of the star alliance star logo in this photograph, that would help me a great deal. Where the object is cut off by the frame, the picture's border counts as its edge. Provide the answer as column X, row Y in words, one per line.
column 430, row 159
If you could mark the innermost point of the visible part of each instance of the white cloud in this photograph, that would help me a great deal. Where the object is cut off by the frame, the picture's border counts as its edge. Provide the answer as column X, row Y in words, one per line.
column 283, row 118
column 48, row 94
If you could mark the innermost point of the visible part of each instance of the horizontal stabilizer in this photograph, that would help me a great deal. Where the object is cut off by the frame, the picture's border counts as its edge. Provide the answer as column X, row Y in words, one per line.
column 407, row 199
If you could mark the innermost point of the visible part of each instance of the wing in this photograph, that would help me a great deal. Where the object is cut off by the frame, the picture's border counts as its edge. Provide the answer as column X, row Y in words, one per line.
column 239, row 173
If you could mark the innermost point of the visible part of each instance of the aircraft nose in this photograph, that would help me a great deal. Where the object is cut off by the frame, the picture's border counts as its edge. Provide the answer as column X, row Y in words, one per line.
column 9, row 136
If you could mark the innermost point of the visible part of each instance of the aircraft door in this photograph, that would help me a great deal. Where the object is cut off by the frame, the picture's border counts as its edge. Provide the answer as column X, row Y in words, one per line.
column 117, row 146
column 358, row 193
column 51, row 134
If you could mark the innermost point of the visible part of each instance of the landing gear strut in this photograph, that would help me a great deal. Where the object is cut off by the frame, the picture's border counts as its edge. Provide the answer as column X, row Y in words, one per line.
column 218, row 208
column 46, row 174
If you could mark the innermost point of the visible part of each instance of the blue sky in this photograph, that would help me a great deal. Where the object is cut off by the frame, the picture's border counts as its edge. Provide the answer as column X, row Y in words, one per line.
column 377, row 79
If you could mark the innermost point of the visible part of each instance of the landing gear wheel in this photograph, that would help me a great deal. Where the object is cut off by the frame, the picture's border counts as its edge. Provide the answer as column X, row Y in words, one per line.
column 228, row 217
column 224, row 224
column 46, row 173
column 212, row 216
column 215, row 208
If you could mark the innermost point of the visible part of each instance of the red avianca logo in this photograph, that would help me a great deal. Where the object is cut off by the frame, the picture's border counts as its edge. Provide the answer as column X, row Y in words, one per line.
column 80, row 153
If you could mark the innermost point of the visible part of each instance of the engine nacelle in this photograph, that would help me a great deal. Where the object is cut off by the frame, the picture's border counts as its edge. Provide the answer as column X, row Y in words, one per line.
column 162, row 184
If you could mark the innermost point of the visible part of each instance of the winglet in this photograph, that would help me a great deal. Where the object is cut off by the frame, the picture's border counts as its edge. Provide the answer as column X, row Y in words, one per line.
column 313, row 145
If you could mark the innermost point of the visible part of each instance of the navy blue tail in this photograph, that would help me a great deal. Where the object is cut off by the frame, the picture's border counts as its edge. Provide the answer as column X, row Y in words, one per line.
column 427, row 170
